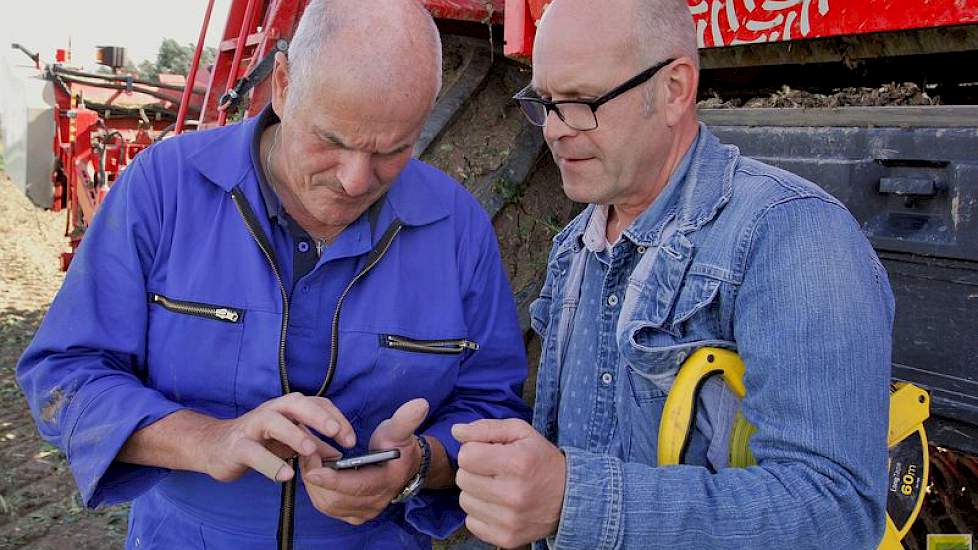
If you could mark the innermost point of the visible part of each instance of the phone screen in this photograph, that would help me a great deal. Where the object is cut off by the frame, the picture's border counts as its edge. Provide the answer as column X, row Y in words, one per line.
column 373, row 457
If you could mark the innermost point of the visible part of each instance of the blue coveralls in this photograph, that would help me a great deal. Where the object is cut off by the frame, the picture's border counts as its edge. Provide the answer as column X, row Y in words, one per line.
column 122, row 345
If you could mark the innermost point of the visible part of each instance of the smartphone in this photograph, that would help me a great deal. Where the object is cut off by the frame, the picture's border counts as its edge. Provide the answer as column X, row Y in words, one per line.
column 353, row 462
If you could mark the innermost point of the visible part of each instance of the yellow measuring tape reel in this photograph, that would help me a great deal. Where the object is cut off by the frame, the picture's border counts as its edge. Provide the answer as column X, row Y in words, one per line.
column 907, row 442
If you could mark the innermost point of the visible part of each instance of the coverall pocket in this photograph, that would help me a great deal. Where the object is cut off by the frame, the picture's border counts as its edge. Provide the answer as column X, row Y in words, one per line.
column 192, row 350
column 409, row 367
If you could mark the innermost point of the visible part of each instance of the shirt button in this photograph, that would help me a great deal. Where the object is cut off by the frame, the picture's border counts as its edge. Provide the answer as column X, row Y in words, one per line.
column 680, row 357
column 613, row 300
column 303, row 247
column 642, row 249
column 606, row 378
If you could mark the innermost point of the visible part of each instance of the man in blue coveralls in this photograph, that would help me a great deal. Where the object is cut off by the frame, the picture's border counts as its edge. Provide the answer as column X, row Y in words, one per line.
column 254, row 299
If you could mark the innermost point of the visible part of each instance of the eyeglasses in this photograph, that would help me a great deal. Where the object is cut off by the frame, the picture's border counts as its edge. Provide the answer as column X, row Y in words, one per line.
column 579, row 114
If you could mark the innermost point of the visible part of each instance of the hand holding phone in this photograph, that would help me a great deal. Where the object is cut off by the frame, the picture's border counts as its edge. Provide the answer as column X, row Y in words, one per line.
column 354, row 462
column 357, row 496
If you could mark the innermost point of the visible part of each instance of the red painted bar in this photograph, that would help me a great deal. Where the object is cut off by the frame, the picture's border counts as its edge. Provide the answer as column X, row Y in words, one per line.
column 192, row 77
column 732, row 22
column 721, row 23
column 467, row 10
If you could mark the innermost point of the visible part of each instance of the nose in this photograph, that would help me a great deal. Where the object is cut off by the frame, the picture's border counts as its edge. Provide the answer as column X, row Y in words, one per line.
column 356, row 173
column 555, row 128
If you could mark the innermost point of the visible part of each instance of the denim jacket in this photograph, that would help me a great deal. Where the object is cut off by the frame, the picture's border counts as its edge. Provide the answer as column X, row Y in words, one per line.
column 763, row 262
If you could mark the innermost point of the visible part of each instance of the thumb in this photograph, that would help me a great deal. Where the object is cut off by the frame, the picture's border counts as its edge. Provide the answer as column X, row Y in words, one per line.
column 404, row 422
column 509, row 430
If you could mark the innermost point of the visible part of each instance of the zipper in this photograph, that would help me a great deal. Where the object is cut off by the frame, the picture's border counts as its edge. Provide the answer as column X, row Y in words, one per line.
column 373, row 259
column 446, row 347
column 287, row 517
column 197, row 309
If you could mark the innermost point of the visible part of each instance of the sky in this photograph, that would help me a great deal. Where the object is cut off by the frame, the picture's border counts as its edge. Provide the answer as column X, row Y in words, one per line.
column 137, row 25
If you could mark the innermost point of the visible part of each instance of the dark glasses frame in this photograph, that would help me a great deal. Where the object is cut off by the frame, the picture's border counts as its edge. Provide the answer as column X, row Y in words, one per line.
column 527, row 101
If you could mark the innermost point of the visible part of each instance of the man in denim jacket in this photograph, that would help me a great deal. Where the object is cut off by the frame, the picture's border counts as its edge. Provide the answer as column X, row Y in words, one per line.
column 685, row 244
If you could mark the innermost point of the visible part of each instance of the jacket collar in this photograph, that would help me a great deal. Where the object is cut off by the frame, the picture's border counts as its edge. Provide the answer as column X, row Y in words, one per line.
column 225, row 159
column 702, row 190
column 708, row 184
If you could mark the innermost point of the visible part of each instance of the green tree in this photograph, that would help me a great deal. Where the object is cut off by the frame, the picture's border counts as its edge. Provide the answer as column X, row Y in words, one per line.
column 174, row 58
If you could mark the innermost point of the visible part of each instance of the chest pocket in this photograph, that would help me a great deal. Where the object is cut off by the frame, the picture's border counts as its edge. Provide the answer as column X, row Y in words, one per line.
column 193, row 349
column 409, row 366
column 669, row 311
column 654, row 348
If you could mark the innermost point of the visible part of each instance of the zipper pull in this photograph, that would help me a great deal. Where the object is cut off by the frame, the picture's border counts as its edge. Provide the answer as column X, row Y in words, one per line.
column 226, row 315
column 467, row 344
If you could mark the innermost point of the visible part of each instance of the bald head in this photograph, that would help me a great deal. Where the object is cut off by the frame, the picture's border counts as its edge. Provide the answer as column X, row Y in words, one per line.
column 641, row 31
column 388, row 51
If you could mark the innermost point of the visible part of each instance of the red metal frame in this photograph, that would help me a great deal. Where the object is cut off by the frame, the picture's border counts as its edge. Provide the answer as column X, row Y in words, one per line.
column 194, row 67
column 253, row 26
column 92, row 147
column 721, row 23
column 90, row 153
column 480, row 11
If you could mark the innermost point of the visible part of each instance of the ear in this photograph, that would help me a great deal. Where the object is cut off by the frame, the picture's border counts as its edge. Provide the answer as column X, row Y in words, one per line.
column 680, row 84
column 280, row 83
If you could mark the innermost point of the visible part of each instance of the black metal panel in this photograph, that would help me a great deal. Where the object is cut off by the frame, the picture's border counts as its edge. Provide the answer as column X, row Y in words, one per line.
column 952, row 434
column 915, row 193
column 874, row 171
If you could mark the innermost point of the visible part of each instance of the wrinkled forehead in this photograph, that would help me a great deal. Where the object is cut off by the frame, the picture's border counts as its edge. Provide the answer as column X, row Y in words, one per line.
column 361, row 115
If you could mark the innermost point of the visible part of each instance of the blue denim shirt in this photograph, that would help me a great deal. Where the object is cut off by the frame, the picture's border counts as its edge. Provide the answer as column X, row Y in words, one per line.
column 766, row 263
column 591, row 378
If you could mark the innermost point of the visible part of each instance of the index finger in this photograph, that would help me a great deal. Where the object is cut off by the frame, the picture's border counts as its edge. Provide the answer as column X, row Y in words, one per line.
column 319, row 414
column 489, row 430
column 480, row 458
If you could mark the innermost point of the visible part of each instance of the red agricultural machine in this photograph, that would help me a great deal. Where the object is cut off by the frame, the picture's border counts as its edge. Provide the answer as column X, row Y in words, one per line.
column 101, row 121
column 874, row 101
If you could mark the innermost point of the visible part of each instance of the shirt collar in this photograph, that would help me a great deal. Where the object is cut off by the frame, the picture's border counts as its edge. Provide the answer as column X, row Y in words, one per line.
column 646, row 228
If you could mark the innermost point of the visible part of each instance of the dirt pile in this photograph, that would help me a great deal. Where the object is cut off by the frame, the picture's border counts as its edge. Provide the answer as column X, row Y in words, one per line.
column 892, row 94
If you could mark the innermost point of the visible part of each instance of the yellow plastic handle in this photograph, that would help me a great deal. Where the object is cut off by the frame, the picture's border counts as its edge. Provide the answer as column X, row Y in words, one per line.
column 677, row 414
column 909, row 407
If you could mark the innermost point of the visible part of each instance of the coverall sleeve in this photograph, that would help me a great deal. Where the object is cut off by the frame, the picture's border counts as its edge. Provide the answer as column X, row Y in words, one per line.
column 83, row 374
column 813, row 321
column 490, row 380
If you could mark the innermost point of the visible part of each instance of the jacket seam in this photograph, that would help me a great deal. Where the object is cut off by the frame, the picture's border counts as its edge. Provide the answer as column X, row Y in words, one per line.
column 747, row 242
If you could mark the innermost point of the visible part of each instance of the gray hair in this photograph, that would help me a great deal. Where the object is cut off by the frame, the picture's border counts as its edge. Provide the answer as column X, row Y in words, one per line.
column 664, row 29
column 320, row 20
